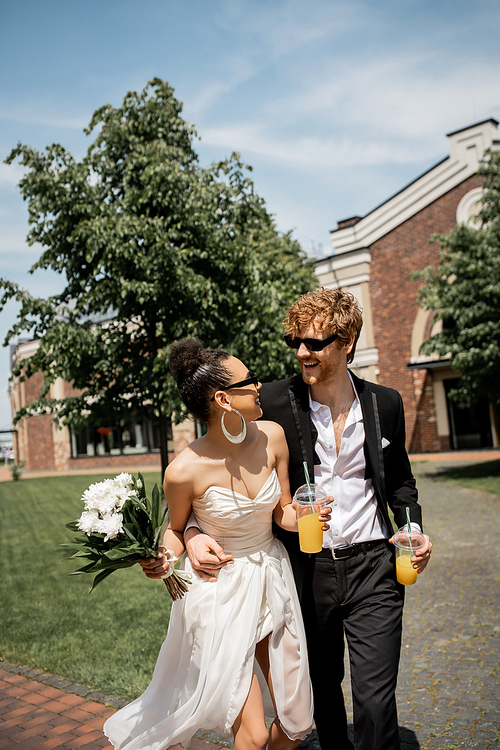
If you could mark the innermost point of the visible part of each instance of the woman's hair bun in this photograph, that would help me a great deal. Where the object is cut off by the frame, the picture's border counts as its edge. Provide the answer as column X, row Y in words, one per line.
column 185, row 358
column 199, row 373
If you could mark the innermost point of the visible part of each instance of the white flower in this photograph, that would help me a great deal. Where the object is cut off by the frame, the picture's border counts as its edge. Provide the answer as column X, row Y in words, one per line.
column 123, row 479
column 108, row 495
column 88, row 521
column 111, row 525
column 139, row 484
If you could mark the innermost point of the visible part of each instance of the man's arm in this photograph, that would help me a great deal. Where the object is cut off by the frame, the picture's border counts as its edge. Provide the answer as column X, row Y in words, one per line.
column 402, row 491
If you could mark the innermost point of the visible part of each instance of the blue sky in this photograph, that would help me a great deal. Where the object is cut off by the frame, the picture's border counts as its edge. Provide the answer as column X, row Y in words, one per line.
column 336, row 104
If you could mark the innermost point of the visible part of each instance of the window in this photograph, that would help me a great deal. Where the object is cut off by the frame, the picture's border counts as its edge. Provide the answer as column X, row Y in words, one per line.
column 121, row 438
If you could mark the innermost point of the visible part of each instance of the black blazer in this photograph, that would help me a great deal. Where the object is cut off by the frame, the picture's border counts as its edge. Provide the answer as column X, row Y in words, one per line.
column 287, row 402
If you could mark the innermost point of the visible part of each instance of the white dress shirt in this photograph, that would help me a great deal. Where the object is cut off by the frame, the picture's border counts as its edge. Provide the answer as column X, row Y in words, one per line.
column 355, row 516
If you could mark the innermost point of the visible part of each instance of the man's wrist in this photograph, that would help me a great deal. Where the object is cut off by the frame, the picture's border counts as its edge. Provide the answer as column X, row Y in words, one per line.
column 192, row 523
column 191, row 533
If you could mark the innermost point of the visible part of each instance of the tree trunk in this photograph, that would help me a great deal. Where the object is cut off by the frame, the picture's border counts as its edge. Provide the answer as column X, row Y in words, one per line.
column 163, row 429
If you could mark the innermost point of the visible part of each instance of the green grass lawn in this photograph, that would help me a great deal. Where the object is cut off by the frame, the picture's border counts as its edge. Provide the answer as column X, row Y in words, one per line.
column 483, row 476
column 108, row 640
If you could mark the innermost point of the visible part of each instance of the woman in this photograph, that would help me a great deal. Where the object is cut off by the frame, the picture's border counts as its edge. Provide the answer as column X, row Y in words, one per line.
column 235, row 480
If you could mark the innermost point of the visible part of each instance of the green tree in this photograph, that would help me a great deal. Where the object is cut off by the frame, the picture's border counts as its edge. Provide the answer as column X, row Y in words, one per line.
column 464, row 291
column 152, row 247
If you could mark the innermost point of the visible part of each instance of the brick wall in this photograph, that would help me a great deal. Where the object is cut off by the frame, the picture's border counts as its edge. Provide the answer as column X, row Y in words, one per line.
column 131, row 462
column 37, row 446
column 394, row 308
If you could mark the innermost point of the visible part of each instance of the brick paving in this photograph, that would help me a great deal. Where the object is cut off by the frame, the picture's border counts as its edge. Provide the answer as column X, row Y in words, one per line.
column 449, row 683
column 36, row 714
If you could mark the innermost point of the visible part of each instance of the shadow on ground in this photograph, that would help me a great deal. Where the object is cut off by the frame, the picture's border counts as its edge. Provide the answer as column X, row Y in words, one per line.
column 438, row 471
column 408, row 738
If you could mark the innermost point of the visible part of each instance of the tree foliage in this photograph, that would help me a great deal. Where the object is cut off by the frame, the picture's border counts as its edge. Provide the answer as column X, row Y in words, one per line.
column 152, row 247
column 464, row 291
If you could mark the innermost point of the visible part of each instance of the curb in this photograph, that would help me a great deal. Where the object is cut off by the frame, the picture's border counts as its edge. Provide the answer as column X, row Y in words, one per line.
column 55, row 681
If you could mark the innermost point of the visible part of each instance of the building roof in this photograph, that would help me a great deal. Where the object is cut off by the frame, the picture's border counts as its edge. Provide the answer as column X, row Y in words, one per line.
column 467, row 147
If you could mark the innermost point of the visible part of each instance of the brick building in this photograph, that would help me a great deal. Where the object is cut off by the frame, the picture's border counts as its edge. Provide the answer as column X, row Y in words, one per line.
column 373, row 258
column 44, row 445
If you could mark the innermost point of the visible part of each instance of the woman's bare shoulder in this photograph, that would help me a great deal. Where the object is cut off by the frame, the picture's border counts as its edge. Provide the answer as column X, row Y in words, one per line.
column 184, row 467
column 273, row 430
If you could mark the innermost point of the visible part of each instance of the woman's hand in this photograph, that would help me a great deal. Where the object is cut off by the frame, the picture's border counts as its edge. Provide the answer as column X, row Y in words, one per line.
column 156, row 567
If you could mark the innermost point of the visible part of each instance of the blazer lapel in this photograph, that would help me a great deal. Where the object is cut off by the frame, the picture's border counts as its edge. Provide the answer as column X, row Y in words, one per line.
column 306, row 432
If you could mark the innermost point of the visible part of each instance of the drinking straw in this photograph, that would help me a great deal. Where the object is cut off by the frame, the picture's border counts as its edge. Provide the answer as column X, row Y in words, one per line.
column 306, row 472
column 409, row 529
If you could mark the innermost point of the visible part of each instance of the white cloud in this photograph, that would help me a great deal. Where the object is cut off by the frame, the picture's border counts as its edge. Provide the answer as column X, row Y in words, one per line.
column 10, row 174
column 308, row 152
column 33, row 115
column 14, row 241
column 268, row 35
column 394, row 110
column 401, row 95
column 282, row 28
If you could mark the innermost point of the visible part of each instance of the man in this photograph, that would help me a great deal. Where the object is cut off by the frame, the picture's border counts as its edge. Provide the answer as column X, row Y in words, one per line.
column 351, row 433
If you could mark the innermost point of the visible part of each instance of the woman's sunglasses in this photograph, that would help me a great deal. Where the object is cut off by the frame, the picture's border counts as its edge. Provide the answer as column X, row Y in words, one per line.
column 315, row 345
column 252, row 379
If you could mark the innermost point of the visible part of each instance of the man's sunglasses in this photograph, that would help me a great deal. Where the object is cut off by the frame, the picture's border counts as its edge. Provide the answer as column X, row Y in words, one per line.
column 315, row 345
column 252, row 379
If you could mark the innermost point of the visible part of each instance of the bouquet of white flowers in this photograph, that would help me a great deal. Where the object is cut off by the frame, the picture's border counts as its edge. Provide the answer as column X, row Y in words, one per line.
column 121, row 526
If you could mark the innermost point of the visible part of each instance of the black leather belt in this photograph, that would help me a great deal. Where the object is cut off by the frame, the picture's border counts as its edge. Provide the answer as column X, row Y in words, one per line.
column 344, row 551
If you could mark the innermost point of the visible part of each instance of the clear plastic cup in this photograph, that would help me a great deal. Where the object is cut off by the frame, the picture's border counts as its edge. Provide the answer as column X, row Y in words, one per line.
column 309, row 504
column 405, row 572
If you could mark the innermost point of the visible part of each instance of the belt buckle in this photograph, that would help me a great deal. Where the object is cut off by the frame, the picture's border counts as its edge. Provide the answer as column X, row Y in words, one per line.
column 343, row 551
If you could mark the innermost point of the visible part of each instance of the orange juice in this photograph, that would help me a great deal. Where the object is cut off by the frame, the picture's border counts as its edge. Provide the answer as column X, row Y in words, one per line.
column 405, row 572
column 310, row 533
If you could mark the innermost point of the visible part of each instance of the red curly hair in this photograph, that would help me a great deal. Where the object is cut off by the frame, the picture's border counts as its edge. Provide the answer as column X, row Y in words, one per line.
column 331, row 310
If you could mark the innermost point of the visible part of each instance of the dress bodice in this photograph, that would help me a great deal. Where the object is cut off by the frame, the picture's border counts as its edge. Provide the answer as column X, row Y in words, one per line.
column 240, row 525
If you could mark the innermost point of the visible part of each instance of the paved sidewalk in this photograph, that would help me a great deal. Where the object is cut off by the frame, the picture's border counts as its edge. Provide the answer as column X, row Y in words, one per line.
column 449, row 684
column 35, row 714
column 39, row 711
column 5, row 473
column 449, row 680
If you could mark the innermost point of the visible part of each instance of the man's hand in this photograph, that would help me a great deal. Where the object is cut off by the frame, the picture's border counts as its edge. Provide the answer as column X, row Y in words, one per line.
column 423, row 555
column 206, row 556
column 325, row 514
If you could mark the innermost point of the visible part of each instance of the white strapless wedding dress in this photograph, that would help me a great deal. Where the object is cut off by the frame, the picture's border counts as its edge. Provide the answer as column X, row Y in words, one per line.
column 205, row 666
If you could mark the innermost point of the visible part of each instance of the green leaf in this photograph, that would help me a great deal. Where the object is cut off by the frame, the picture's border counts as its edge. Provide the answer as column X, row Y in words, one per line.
column 99, row 578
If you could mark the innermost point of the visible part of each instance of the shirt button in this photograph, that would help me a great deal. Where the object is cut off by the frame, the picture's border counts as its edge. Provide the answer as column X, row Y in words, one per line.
column 336, row 532
column 330, row 445
column 335, row 502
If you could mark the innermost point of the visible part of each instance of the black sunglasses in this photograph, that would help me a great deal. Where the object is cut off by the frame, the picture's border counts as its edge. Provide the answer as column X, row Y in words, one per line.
column 252, row 379
column 315, row 345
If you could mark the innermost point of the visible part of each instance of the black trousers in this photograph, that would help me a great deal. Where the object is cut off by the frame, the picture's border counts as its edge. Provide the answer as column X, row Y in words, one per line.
column 361, row 598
